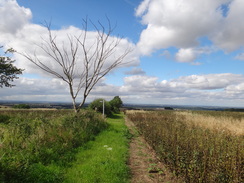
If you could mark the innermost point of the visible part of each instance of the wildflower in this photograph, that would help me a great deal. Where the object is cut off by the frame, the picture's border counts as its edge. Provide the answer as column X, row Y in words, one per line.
column 105, row 146
column 109, row 149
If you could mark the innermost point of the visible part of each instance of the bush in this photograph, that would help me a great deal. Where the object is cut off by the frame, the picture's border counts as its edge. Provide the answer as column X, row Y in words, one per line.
column 116, row 103
column 97, row 105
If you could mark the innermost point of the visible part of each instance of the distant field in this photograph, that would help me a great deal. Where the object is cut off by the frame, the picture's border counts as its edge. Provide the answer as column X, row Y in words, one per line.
column 200, row 146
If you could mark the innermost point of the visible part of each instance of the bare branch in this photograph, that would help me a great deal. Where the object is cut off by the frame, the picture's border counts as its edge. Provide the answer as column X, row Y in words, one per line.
column 80, row 63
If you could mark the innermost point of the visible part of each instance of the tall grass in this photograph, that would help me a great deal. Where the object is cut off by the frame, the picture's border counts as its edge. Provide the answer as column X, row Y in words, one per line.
column 35, row 145
column 200, row 146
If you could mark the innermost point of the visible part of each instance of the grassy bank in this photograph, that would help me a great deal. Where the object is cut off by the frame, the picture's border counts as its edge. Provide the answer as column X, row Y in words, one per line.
column 38, row 146
column 199, row 146
column 103, row 160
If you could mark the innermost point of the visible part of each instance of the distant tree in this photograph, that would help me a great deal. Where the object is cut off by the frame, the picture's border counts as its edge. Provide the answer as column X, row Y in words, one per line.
column 8, row 72
column 81, row 62
column 97, row 105
column 21, row 106
column 116, row 103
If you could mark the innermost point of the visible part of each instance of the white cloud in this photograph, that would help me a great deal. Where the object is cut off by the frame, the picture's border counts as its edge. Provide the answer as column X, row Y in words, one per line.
column 210, row 89
column 186, row 55
column 13, row 17
column 190, row 55
column 142, row 7
column 230, row 34
column 182, row 24
column 209, row 82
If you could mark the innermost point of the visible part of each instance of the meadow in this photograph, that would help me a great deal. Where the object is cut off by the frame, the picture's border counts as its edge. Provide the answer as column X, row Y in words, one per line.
column 198, row 146
column 38, row 146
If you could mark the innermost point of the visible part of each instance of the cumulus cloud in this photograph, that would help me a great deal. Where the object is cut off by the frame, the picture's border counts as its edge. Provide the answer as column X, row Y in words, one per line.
column 182, row 23
column 214, row 89
column 13, row 17
column 189, row 55
column 209, row 89
column 36, row 89
column 229, row 36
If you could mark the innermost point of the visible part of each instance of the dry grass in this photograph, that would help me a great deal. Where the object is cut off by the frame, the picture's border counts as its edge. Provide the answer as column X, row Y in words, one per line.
column 221, row 123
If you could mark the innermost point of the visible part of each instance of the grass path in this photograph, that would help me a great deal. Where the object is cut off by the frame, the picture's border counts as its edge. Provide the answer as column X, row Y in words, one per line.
column 103, row 160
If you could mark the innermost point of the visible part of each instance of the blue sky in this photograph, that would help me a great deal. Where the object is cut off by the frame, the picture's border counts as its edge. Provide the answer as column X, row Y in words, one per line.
column 186, row 52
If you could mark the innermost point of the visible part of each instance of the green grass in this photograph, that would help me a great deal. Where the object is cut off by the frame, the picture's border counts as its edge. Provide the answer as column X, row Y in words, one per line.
column 103, row 160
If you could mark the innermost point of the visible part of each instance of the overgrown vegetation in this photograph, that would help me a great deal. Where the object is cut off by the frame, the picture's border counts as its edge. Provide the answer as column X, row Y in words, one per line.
column 210, row 152
column 36, row 146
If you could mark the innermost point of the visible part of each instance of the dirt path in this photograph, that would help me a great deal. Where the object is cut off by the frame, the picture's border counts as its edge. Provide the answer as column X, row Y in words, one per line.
column 144, row 164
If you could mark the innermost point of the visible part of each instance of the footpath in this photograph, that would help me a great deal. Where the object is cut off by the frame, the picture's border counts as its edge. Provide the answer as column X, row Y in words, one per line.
column 118, row 155
column 144, row 165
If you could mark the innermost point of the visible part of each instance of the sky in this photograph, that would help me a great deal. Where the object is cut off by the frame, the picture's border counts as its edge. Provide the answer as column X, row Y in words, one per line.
column 185, row 52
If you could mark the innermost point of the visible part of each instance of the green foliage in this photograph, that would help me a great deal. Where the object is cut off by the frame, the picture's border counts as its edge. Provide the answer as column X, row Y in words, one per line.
column 195, row 153
column 36, row 146
column 8, row 72
column 116, row 103
column 112, row 106
column 97, row 105
column 21, row 106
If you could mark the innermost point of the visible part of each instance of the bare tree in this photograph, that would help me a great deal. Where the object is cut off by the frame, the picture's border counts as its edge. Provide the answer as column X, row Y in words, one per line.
column 83, row 64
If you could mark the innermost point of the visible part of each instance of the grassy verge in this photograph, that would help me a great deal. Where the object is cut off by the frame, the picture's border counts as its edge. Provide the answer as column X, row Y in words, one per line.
column 38, row 146
column 103, row 160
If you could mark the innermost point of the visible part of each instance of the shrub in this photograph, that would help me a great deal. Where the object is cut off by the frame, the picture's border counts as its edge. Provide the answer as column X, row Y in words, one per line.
column 116, row 103
column 97, row 105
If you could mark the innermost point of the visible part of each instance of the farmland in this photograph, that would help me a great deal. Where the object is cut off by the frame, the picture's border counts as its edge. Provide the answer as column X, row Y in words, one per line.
column 49, row 145
column 199, row 146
